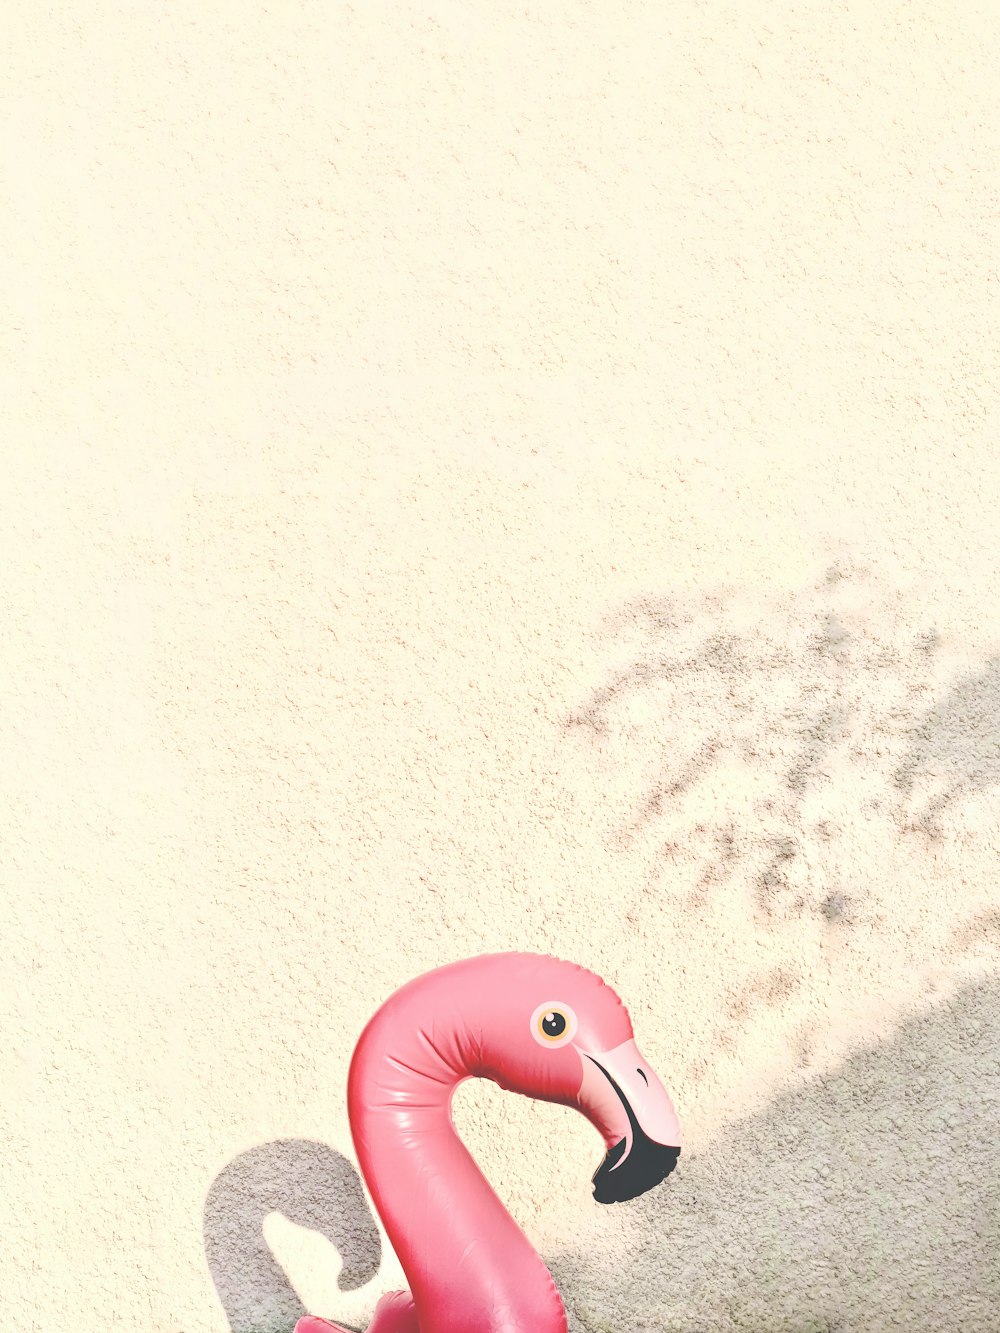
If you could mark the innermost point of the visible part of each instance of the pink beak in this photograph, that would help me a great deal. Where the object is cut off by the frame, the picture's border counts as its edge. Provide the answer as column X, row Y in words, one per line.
column 623, row 1098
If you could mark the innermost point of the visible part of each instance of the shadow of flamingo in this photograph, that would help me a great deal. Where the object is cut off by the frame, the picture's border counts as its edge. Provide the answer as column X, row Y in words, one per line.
column 313, row 1186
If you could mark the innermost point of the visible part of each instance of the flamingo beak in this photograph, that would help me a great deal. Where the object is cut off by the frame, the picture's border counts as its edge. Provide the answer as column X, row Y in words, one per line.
column 621, row 1095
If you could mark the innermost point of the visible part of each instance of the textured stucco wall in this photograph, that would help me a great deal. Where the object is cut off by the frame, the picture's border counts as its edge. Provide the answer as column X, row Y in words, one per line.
column 479, row 477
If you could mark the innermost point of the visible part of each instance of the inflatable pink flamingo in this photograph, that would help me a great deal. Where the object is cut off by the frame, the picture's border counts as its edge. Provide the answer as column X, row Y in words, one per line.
column 534, row 1025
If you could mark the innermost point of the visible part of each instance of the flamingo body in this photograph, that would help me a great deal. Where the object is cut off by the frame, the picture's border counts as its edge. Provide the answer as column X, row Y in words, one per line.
column 535, row 1025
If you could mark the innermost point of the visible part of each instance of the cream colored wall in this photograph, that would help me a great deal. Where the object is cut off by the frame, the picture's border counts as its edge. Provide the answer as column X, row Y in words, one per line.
column 482, row 477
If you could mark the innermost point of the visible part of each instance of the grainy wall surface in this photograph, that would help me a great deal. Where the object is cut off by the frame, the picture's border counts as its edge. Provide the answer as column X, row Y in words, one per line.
column 483, row 477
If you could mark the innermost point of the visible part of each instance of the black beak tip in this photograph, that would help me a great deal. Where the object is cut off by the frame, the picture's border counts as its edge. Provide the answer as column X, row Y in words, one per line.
column 647, row 1165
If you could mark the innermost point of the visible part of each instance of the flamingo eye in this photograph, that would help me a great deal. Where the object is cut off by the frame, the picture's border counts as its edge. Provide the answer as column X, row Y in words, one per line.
column 553, row 1024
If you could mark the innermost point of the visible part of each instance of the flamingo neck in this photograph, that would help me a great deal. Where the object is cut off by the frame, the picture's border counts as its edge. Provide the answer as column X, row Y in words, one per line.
column 469, row 1266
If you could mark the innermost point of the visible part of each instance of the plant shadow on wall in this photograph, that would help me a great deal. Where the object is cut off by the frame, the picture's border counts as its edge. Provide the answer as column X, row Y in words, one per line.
column 863, row 1201
column 819, row 765
column 741, row 741
column 313, row 1186
column 958, row 742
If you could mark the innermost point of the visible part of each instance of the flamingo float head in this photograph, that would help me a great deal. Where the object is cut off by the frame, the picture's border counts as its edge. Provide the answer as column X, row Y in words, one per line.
column 545, row 1028
column 559, row 1033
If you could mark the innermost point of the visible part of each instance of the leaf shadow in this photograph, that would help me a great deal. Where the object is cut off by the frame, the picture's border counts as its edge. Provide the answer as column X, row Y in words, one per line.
column 956, row 744
column 749, row 738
